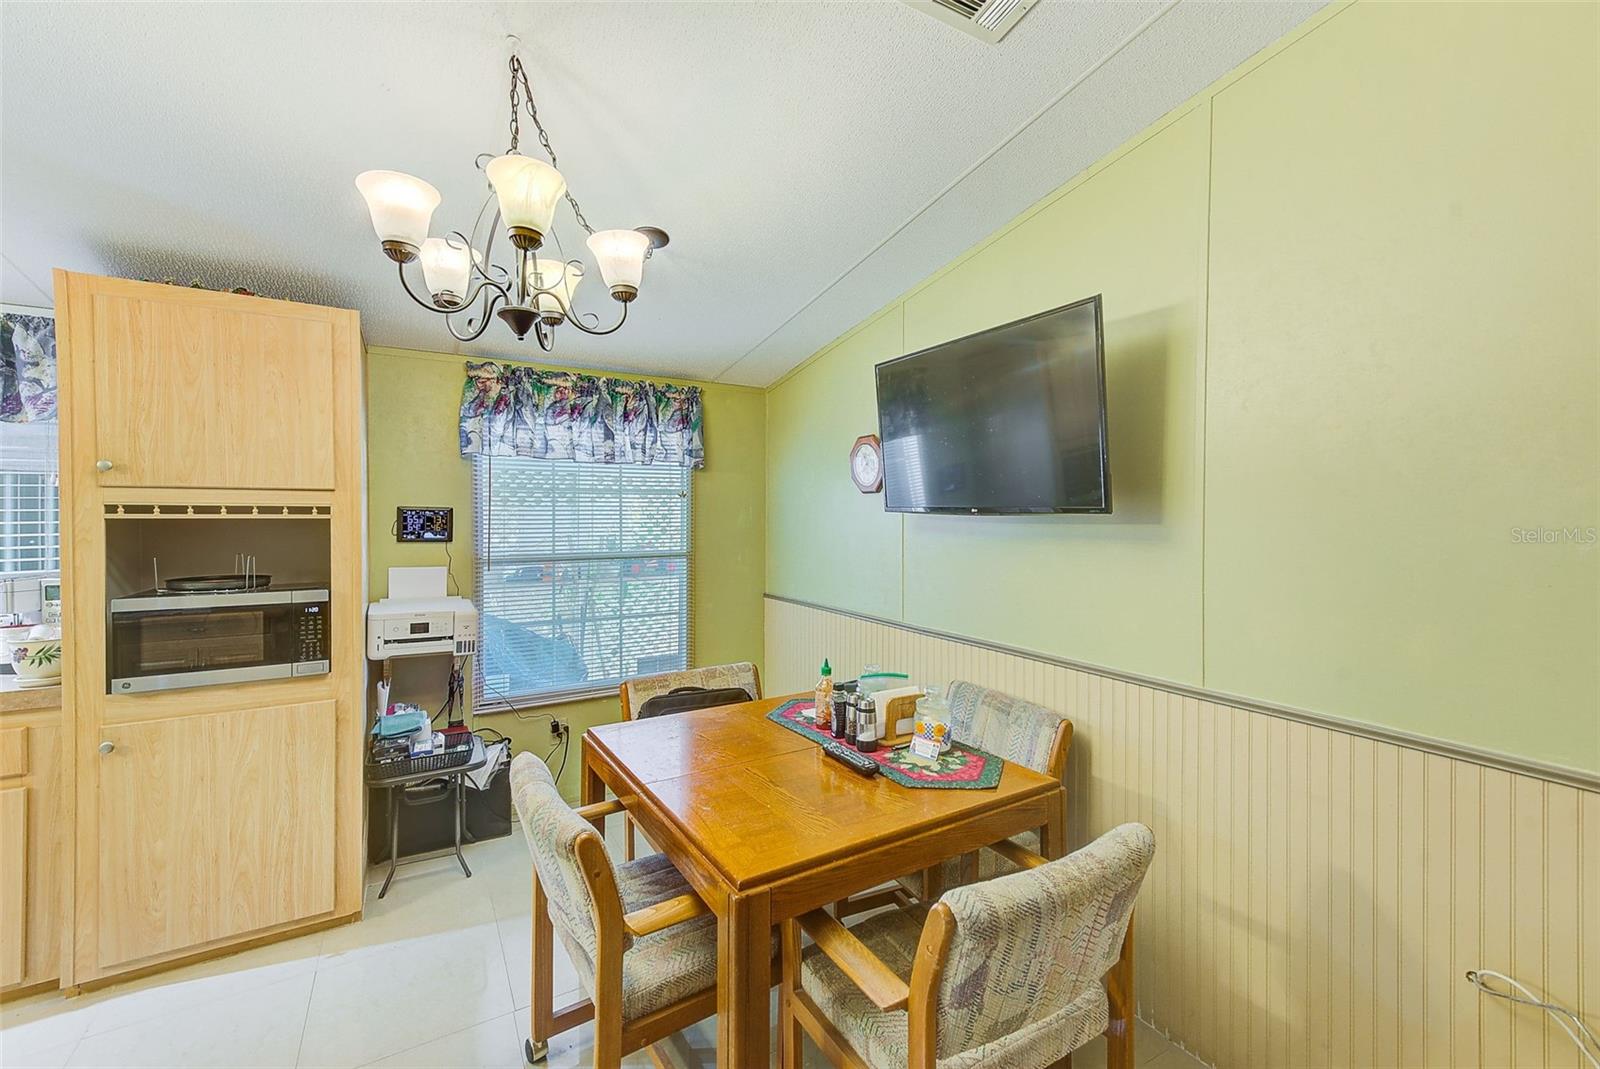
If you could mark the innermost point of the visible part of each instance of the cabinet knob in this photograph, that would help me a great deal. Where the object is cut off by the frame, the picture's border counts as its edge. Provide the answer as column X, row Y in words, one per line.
column 107, row 746
column 102, row 465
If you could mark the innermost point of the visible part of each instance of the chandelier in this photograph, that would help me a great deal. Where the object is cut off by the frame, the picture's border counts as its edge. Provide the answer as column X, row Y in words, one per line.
column 461, row 279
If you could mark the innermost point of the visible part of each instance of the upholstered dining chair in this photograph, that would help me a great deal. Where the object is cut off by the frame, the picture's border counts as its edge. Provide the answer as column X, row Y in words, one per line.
column 643, row 944
column 640, row 689
column 1011, row 973
column 1008, row 727
column 633, row 693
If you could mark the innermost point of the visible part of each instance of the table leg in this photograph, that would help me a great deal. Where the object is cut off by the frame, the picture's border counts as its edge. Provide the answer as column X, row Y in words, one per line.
column 744, row 978
column 1053, row 833
column 791, row 1038
column 592, row 789
column 394, row 843
column 460, row 803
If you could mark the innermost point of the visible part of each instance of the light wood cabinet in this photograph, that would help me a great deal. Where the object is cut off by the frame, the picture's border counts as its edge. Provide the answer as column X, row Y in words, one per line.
column 212, row 826
column 31, row 844
column 212, row 817
column 192, row 393
column 13, row 885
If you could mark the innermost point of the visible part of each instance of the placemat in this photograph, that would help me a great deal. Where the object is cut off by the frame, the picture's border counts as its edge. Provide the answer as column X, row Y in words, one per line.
column 959, row 768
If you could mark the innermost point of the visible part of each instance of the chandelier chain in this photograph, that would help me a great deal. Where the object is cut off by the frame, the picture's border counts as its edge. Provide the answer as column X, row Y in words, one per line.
column 519, row 79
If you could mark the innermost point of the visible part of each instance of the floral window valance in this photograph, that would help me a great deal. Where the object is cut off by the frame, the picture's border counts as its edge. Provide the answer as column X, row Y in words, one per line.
column 511, row 410
column 27, row 368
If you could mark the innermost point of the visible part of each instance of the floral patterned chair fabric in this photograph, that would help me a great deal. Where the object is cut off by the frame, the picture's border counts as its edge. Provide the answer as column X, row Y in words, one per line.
column 657, row 969
column 1022, row 981
column 640, row 689
column 1008, row 727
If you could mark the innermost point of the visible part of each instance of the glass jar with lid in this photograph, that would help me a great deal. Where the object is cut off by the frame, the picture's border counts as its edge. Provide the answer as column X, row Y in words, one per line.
column 932, row 726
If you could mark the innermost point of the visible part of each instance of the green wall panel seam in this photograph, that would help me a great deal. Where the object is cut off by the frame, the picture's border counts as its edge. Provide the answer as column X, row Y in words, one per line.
column 1581, row 779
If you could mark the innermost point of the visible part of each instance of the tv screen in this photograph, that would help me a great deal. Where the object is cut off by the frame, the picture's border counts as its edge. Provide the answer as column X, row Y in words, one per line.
column 1009, row 420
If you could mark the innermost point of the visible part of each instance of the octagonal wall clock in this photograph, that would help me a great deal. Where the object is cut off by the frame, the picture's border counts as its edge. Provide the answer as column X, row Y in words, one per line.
column 866, row 464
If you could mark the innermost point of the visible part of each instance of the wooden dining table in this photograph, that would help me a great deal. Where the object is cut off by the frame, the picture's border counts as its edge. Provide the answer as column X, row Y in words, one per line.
column 765, row 826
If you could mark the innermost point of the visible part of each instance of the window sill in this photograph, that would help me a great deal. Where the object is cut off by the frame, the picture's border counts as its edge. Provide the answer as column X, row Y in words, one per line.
column 519, row 703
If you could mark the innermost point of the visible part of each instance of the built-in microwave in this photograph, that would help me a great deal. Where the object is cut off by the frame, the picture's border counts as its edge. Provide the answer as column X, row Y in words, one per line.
column 163, row 640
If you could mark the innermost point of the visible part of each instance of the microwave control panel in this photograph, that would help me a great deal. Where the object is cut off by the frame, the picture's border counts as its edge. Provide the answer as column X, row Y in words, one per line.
column 313, row 633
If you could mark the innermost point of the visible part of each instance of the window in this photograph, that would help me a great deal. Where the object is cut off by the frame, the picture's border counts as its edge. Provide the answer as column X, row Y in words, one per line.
column 582, row 576
column 30, row 501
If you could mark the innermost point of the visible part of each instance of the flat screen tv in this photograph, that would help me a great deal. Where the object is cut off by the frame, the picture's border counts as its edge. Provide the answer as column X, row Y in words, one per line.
column 1010, row 420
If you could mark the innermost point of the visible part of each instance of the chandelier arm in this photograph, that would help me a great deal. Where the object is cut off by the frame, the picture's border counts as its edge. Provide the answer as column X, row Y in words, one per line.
column 483, row 321
column 524, row 258
column 494, row 226
column 475, row 267
column 576, row 321
column 545, row 336
column 556, row 287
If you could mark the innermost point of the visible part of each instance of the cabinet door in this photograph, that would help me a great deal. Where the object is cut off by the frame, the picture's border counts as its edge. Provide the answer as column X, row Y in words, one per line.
column 212, row 826
column 193, row 394
column 13, row 885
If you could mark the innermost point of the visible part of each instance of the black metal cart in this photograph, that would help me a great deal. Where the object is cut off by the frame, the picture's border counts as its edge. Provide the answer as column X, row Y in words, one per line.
column 450, row 767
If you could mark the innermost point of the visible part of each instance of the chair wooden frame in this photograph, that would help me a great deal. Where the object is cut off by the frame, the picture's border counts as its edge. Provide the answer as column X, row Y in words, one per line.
column 798, row 1013
column 627, row 714
column 1051, row 846
column 614, row 1038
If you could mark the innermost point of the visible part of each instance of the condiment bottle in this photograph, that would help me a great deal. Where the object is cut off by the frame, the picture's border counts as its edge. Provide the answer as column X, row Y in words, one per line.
column 823, row 698
column 852, row 714
column 841, row 713
column 867, row 724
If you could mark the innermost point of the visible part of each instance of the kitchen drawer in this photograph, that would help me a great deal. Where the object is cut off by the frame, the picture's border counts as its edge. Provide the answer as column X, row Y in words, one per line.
column 13, row 751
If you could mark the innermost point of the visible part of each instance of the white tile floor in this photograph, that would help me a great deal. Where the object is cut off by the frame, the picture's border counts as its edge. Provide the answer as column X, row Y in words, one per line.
column 435, row 975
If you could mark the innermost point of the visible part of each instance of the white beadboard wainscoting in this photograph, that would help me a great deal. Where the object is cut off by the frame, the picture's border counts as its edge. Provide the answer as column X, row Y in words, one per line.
column 1319, row 891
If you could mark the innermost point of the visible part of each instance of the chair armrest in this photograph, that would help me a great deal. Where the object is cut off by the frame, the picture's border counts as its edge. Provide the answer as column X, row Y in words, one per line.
column 597, row 810
column 1019, row 856
column 863, row 968
column 665, row 914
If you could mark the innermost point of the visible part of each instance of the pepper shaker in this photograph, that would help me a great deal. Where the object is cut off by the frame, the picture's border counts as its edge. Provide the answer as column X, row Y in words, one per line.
column 841, row 712
column 867, row 725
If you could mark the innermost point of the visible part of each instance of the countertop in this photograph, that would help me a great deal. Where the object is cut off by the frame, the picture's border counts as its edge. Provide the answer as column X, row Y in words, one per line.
column 15, row 699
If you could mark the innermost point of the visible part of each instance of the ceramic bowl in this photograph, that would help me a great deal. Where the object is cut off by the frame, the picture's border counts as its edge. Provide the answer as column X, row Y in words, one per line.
column 16, row 632
column 37, row 661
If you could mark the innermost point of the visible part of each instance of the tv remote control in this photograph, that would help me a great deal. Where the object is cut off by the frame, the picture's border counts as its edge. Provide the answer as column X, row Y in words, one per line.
column 847, row 756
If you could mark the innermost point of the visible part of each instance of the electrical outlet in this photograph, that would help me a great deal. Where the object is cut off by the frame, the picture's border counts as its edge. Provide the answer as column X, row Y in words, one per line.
column 557, row 728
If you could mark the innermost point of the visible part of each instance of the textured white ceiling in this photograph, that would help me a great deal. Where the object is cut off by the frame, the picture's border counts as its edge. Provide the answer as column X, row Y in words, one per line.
column 811, row 160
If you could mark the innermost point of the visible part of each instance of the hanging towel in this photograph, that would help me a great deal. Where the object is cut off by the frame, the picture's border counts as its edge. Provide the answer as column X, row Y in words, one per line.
column 498, row 753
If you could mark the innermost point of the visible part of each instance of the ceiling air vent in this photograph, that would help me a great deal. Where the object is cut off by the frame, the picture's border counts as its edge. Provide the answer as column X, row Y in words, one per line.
column 987, row 20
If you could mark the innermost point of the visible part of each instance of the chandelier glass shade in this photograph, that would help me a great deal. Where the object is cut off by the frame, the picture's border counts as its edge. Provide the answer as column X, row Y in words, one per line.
column 461, row 279
column 555, row 282
column 447, row 270
column 620, row 254
column 528, row 191
column 401, row 206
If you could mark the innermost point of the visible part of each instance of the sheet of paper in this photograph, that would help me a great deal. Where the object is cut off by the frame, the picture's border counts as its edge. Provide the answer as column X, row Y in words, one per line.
column 416, row 582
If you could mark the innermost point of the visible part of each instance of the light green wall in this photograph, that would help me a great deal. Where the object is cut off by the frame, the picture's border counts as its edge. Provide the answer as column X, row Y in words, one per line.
column 1122, row 589
column 828, row 542
column 413, row 458
column 1403, row 370
column 1351, row 343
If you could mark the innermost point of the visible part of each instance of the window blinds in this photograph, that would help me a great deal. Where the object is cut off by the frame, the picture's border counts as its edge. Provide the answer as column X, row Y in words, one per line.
column 30, row 501
column 582, row 576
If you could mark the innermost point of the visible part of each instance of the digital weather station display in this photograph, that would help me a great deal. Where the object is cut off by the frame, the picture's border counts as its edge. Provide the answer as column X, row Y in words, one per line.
column 424, row 525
